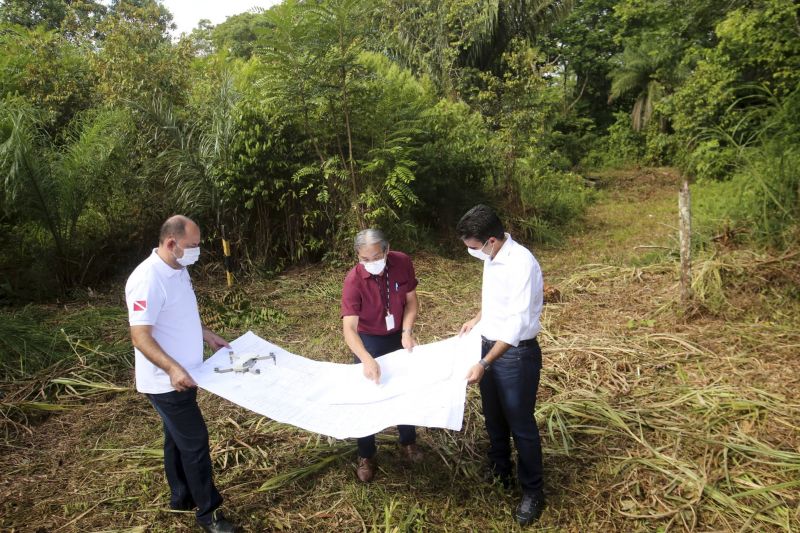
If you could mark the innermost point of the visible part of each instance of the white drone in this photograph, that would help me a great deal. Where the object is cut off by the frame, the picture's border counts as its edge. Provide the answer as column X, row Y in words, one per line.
column 244, row 363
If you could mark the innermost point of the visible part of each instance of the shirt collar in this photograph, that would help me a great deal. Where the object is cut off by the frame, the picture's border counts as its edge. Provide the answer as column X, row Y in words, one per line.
column 363, row 271
column 505, row 251
column 163, row 268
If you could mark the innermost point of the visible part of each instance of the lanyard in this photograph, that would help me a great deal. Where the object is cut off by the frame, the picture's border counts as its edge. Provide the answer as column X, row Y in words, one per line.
column 388, row 297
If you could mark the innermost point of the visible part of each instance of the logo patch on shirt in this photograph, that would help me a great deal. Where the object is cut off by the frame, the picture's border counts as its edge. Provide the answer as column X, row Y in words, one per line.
column 140, row 305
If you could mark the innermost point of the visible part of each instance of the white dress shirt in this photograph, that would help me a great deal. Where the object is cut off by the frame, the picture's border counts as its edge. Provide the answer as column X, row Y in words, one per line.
column 512, row 295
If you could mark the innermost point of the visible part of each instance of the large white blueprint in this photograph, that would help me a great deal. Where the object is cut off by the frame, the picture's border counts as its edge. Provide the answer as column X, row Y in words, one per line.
column 426, row 387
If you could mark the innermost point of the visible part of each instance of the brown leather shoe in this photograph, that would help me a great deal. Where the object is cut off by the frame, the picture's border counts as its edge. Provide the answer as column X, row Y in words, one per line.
column 411, row 452
column 366, row 469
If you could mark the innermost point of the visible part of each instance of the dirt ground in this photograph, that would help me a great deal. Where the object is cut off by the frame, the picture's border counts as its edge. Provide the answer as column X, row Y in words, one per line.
column 655, row 416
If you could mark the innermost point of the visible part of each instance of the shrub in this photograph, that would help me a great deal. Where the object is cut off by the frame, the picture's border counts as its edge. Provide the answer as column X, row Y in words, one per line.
column 550, row 199
column 761, row 201
column 621, row 146
column 710, row 159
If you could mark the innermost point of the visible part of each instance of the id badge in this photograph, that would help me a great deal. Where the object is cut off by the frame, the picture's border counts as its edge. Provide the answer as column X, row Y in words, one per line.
column 389, row 322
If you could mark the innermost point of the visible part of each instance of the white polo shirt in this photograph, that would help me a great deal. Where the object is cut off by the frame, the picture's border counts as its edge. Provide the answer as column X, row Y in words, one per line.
column 160, row 296
column 512, row 295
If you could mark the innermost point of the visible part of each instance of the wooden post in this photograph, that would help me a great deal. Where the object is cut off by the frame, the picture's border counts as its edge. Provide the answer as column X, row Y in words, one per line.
column 226, row 251
column 685, row 231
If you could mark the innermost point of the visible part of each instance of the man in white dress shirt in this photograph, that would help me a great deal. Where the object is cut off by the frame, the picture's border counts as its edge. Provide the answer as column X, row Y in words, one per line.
column 511, row 360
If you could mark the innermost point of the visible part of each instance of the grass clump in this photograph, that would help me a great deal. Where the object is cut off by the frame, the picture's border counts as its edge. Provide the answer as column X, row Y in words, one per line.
column 26, row 346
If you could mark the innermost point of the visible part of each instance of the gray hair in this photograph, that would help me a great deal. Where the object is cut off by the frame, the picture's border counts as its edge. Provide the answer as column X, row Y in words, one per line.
column 368, row 237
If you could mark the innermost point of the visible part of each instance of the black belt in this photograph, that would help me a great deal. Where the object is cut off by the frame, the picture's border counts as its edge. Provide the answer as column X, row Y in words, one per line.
column 526, row 342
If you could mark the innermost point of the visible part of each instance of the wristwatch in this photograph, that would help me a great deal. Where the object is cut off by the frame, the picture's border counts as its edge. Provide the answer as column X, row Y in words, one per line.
column 485, row 364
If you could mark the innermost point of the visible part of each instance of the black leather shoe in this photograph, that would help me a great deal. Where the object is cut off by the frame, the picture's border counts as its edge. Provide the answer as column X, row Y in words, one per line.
column 530, row 508
column 218, row 524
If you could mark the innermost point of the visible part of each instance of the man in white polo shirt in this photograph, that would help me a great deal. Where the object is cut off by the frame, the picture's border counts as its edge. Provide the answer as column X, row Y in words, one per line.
column 168, row 339
column 511, row 360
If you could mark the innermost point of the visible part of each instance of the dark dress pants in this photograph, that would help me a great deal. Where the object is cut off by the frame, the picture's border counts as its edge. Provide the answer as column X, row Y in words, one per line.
column 187, row 461
column 378, row 345
column 508, row 395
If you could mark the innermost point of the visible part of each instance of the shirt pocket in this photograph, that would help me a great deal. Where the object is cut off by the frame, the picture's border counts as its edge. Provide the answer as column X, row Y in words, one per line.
column 401, row 289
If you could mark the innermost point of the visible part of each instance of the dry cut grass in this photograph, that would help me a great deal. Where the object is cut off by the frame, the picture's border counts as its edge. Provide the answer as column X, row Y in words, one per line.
column 653, row 417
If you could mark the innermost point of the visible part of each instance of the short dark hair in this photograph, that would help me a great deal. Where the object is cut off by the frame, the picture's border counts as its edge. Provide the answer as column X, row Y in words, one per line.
column 174, row 226
column 480, row 222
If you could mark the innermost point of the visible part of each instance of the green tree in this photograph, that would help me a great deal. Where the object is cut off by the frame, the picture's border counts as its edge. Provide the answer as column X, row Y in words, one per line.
column 239, row 34
column 429, row 36
column 439, row 38
column 201, row 38
column 757, row 49
column 195, row 154
column 32, row 13
column 136, row 58
column 312, row 57
column 81, row 21
column 52, row 185
column 504, row 21
column 762, row 43
column 583, row 45
column 638, row 73
column 662, row 41
column 48, row 70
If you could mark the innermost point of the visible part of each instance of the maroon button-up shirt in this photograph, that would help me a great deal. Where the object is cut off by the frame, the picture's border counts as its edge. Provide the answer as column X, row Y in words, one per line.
column 364, row 295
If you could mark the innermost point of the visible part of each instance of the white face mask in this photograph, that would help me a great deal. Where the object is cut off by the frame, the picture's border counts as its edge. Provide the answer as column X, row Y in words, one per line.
column 479, row 253
column 375, row 267
column 190, row 256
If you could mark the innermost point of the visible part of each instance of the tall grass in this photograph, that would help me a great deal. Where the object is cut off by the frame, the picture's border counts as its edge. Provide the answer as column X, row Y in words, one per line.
column 761, row 200
column 45, row 369
column 27, row 346
column 550, row 201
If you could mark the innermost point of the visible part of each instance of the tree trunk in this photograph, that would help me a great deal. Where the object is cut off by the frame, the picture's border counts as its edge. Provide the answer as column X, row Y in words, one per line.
column 684, row 211
column 309, row 131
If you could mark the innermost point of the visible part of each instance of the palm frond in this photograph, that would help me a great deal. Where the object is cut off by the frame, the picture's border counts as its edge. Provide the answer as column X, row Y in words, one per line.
column 24, row 165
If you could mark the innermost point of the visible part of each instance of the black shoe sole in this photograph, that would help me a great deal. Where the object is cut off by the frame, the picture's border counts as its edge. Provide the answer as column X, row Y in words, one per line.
column 530, row 520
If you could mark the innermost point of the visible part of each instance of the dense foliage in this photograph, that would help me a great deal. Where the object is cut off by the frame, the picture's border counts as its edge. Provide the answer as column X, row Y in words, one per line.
column 295, row 126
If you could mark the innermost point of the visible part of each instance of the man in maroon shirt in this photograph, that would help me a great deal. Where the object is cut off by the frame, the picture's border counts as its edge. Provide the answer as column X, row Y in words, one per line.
column 379, row 307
